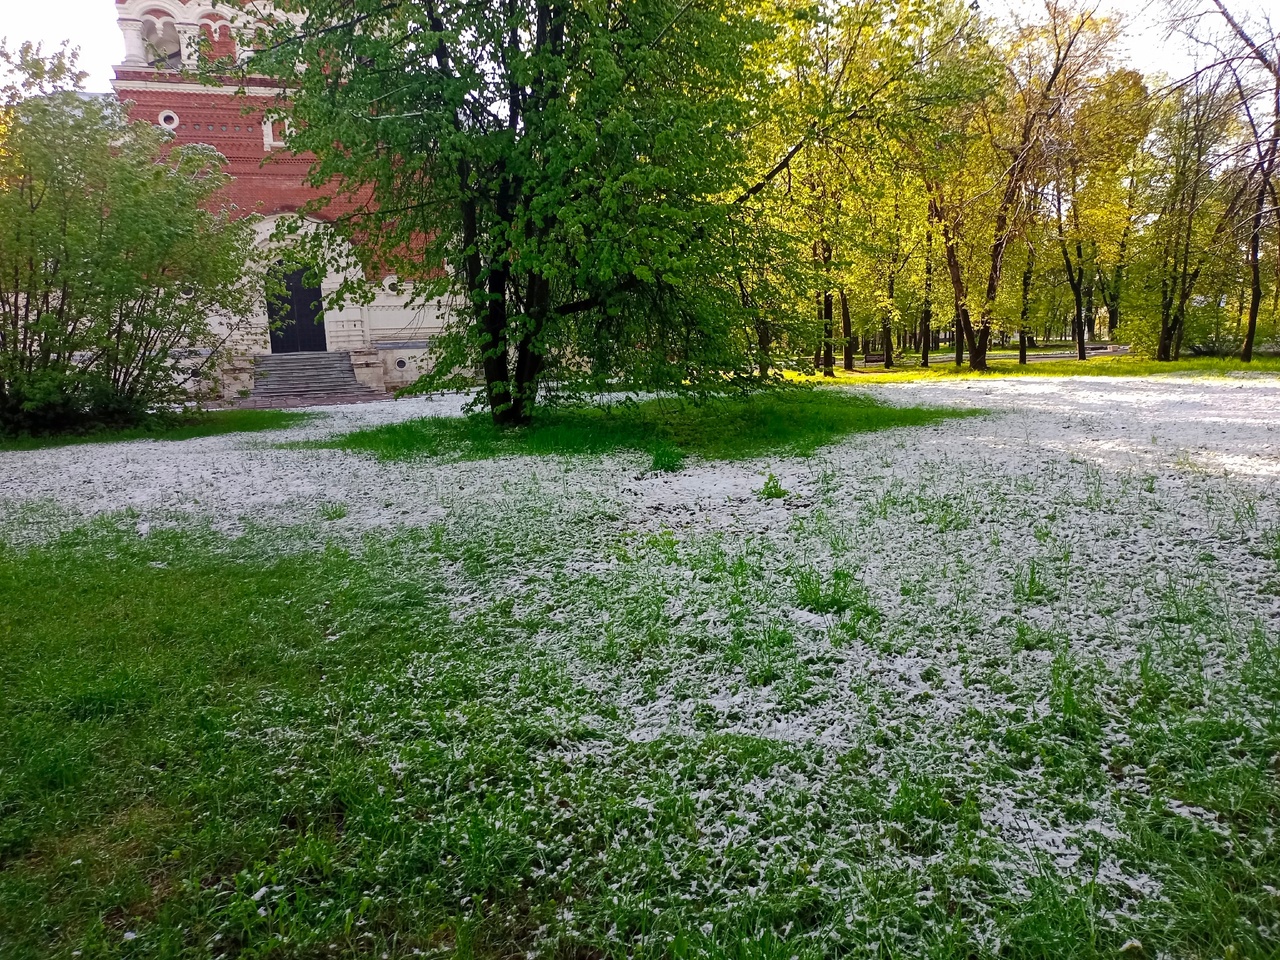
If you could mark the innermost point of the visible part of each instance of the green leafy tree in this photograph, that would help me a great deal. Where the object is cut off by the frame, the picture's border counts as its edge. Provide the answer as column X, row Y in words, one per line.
column 1091, row 151
column 118, row 286
column 1196, row 193
column 574, row 166
column 1248, row 47
column 859, row 79
column 982, row 183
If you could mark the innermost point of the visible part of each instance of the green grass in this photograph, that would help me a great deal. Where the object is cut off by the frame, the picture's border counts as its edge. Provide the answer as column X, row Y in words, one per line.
column 225, row 749
column 549, row 725
column 942, row 367
column 187, row 427
column 795, row 422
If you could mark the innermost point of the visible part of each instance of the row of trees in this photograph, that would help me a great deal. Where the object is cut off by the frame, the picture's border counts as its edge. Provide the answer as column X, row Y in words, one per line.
column 670, row 193
column 681, row 193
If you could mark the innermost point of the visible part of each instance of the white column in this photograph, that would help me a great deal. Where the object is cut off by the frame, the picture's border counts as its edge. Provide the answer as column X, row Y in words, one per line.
column 135, row 49
column 189, row 37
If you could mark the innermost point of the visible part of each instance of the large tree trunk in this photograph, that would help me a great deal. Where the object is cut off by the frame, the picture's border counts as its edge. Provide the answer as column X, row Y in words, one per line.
column 979, row 341
column 497, row 368
column 489, row 301
column 529, row 356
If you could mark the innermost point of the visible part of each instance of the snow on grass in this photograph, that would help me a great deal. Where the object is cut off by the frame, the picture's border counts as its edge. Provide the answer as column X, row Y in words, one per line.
column 1007, row 680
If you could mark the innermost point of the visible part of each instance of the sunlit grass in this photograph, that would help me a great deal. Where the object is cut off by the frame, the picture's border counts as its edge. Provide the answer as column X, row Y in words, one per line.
column 942, row 367
column 392, row 750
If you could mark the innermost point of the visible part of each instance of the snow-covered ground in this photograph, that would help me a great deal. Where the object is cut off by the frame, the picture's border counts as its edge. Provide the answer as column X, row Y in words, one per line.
column 1017, row 588
column 1169, row 428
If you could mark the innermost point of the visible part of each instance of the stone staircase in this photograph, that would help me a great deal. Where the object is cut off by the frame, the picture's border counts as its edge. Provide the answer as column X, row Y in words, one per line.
column 306, row 379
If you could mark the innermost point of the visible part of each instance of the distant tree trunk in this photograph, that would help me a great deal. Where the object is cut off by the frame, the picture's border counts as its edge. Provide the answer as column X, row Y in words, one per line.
column 959, row 336
column 817, row 351
column 1110, row 290
column 926, row 311
column 887, row 323
column 1255, row 264
column 846, row 326
column 1090, row 314
column 1027, row 275
column 1075, row 279
column 1113, row 288
column 828, row 335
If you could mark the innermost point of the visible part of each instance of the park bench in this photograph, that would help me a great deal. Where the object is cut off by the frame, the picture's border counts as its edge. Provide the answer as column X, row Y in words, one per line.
column 871, row 358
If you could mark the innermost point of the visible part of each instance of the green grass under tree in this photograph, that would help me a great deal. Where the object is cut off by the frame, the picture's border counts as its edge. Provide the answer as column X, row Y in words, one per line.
column 734, row 428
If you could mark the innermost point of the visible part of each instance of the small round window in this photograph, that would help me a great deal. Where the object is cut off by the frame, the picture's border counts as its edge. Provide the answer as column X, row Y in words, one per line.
column 169, row 120
column 401, row 364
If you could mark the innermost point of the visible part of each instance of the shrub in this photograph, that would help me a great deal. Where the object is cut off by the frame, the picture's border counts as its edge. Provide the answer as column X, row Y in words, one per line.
column 114, row 272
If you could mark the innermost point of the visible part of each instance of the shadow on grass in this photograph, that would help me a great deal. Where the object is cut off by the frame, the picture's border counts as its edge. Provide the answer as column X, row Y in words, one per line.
column 795, row 422
column 203, row 424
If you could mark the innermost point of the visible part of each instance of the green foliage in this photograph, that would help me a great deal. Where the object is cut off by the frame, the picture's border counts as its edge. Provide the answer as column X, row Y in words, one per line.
column 172, row 426
column 667, row 458
column 111, row 264
column 797, row 422
column 573, row 166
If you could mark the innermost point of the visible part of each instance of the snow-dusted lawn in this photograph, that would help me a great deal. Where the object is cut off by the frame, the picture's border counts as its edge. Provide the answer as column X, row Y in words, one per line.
column 1175, row 430
column 998, row 683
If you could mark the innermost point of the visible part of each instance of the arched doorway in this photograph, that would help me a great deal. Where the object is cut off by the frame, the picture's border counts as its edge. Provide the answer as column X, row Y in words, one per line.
column 294, row 312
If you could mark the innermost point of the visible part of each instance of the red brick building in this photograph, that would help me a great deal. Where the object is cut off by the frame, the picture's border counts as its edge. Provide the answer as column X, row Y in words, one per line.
column 162, row 41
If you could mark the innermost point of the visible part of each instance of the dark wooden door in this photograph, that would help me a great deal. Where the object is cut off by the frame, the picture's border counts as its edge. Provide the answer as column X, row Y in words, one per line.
column 297, row 321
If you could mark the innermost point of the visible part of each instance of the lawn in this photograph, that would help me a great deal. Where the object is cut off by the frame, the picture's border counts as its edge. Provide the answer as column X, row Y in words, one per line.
column 924, row 696
column 942, row 367
column 205, row 423
column 795, row 421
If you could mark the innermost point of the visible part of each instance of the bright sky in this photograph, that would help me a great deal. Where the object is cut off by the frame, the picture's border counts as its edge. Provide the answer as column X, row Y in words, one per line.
column 88, row 24
column 1144, row 43
column 91, row 25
